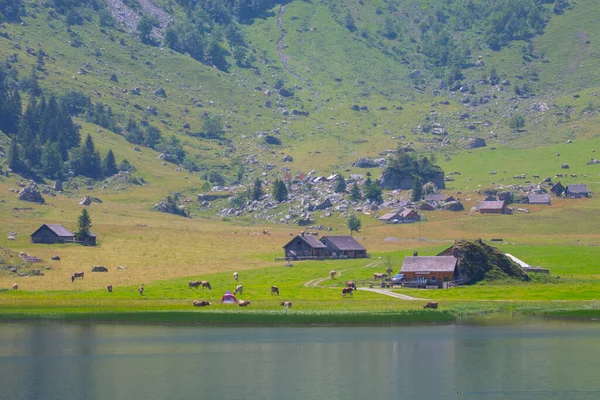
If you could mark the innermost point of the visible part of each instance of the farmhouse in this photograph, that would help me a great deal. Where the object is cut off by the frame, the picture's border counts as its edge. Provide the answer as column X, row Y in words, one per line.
column 434, row 269
column 492, row 207
column 343, row 246
column 409, row 215
column 390, row 218
column 538, row 199
column 304, row 246
column 52, row 233
column 576, row 191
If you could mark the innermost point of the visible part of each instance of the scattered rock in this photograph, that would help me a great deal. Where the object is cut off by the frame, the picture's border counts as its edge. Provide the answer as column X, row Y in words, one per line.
column 160, row 92
column 86, row 201
column 270, row 139
column 114, row 78
column 31, row 193
column 475, row 143
column 287, row 158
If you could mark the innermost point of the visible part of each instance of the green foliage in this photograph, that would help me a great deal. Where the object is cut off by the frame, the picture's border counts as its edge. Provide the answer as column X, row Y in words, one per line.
column 516, row 122
column 417, row 190
column 102, row 115
column 355, row 194
column 84, row 224
column 256, row 191
column 339, row 184
column 172, row 150
column 109, row 165
column 407, row 164
column 76, row 102
column 144, row 28
column 280, row 192
column 238, row 201
column 172, row 207
column 11, row 10
column 373, row 191
column 212, row 127
column 353, row 223
column 215, row 178
column 86, row 160
column 126, row 166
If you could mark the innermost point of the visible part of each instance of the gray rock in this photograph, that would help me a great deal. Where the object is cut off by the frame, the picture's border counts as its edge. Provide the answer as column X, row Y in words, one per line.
column 287, row 158
column 160, row 92
column 270, row 139
column 475, row 143
column 31, row 193
column 58, row 185
column 114, row 78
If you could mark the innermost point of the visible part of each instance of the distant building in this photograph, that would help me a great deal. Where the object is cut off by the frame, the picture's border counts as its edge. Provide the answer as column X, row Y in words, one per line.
column 576, row 191
column 409, row 215
column 557, row 189
column 434, row 197
column 434, row 269
column 52, row 233
column 304, row 246
column 343, row 246
column 538, row 199
column 390, row 218
column 492, row 207
column 426, row 206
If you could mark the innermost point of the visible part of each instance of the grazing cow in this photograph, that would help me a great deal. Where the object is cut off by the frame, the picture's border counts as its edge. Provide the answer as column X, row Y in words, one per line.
column 109, row 288
column 274, row 289
column 243, row 303
column 200, row 303
column 332, row 274
column 206, row 284
column 15, row 286
column 56, row 258
column 235, row 276
column 141, row 290
column 431, row 304
column 78, row 274
column 287, row 304
column 379, row 276
column 194, row 284
column 347, row 290
column 351, row 284
column 238, row 289
column 72, row 278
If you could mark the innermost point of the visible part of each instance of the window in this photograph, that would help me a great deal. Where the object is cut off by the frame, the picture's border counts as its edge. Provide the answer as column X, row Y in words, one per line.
column 446, row 279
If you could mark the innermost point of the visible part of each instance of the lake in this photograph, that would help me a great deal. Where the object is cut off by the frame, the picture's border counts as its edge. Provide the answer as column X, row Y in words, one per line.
column 525, row 360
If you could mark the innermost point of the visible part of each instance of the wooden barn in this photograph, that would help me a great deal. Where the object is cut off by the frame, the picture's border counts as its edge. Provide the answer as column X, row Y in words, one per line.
column 576, row 191
column 390, row 218
column 304, row 247
column 557, row 189
column 344, row 247
column 52, row 233
column 492, row 207
column 409, row 215
column 435, row 270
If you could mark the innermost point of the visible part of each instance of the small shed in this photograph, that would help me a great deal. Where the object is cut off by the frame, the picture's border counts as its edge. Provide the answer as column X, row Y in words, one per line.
column 390, row 218
column 557, row 189
column 304, row 246
column 52, row 233
column 538, row 199
column 435, row 269
column 426, row 206
column 576, row 191
column 408, row 215
column 343, row 246
column 492, row 207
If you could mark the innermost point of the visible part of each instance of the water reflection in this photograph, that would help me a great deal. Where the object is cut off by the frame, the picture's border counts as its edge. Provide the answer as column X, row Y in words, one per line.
column 70, row 361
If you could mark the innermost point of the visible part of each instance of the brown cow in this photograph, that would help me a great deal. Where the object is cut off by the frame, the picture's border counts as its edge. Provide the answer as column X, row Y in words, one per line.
column 332, row 274
column 200, row 303
column 351, row 284
column 15, row 286
column 238, row 289
column 431, row 304
column 194, row 284
column 78, row 275
column 347, row 290
column 243, row 303
column 274, row 289
column 109, row 288
column 287, row 304
column 206, row 284
column 379, row 276
column 141, row 290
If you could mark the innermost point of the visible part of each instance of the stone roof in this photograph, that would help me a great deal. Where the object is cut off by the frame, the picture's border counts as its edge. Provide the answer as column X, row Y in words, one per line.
column 491, row 205
column 429, row 264
column 344, row 243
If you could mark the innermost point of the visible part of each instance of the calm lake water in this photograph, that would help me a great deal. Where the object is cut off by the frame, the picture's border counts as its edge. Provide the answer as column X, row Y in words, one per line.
column 529, row 360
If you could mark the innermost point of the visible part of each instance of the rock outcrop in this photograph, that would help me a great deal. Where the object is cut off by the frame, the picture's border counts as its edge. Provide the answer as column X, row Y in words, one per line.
column 31, row 193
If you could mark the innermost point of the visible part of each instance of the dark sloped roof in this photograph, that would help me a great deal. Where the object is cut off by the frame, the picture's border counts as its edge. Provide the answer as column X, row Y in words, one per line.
column 577, row 188
column 538, row 198
column 344, row 243
column 388, row 216
column 491, row 205
column 406, row 212
column 60, row 230
column 429, row 264
column 312, row 241
column 434, row 197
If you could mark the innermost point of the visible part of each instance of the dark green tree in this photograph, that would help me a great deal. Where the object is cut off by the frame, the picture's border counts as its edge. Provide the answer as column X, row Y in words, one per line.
column 52, row 162
column 144, row 28
column 212, row 126
column 280, row 192
column 109, row 164
column 417, row 190
column 14, row 161
column 84, row 224
column 355, row 194
column 256, row 191
column 340, row 184
column 373, row 191
column 353, row 223
column 516, row 122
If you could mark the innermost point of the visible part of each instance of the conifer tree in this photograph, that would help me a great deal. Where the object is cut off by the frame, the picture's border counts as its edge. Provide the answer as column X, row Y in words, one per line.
column 280, row 192
column 84, row 224
column 109, row 165
column 355, row 194
column 52, row 162
column 340, row 184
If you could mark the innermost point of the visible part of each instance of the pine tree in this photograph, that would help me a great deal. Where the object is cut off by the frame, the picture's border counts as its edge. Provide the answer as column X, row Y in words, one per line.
column 109, row 165
column 340, row 183
column 52, row 162
column 14, row 161
column 256, row 192
column 84, row 223
column 417, row 191
column 280, row 192
column 355, row 194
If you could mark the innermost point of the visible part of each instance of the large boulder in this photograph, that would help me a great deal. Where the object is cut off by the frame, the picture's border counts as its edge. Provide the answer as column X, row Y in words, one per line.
column 475, row 143
column 270, row 139
column 86, row 201
column 31, row 193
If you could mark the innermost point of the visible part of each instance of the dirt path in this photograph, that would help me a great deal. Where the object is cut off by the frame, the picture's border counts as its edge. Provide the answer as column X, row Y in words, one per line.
column 316, row 282
column 280, row 46
column 390, row 293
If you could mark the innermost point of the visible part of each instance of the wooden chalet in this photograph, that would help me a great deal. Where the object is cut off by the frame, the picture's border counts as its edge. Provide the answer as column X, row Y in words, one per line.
column 304, row 247
column 576, row 191
column 434, row 270
column 343, row 247
column 426, row 206
column 408, row 215
column 492, row 207
column 52, row 233
column 538, row 199
column 390, row 218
